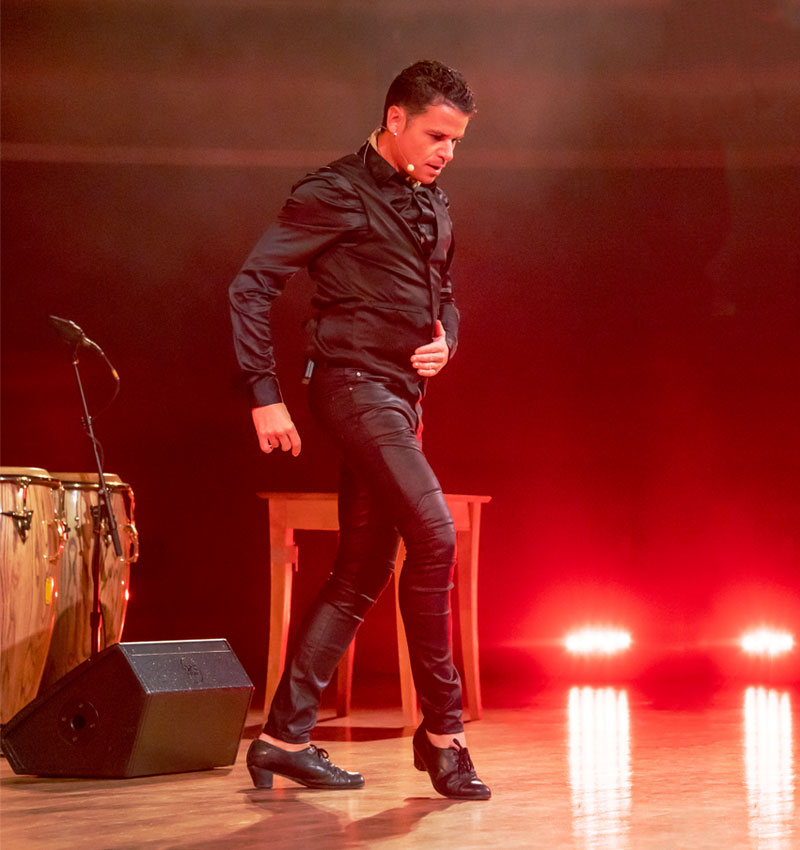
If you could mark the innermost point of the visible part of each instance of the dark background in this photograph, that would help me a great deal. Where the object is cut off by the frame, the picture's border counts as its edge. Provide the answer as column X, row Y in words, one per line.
column 626, row 208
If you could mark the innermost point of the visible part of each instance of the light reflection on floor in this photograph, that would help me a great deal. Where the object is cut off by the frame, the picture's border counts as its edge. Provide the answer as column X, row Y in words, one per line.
column 600, row 766
column 665, row 766
column 769, row 769
column 601, row 779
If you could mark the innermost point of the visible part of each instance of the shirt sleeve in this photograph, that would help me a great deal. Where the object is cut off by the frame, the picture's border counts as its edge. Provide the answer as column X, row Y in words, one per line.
column 448, row 312
column 321, row 210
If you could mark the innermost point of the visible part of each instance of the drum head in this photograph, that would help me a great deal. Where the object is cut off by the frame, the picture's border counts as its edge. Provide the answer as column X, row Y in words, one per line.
column 24, row 471
column 76, row 480
column 35, row 473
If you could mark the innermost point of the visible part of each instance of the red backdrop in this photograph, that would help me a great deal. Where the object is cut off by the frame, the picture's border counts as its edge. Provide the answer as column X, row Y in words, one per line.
column 626, row 207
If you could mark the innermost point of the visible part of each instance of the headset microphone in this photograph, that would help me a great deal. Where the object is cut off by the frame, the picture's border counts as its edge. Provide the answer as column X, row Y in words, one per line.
column 409, row 166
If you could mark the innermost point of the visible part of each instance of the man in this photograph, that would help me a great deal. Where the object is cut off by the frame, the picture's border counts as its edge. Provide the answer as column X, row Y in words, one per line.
column 374, row 232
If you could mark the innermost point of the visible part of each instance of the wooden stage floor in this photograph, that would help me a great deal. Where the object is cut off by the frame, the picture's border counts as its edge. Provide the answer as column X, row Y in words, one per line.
column 601, row 769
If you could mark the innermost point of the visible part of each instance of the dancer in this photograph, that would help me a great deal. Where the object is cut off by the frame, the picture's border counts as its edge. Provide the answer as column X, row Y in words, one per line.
column 374, row 232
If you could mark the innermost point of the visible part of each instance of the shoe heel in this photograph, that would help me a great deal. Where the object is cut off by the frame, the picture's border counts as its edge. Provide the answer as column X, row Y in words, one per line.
column 418, row 762
column 262, row 778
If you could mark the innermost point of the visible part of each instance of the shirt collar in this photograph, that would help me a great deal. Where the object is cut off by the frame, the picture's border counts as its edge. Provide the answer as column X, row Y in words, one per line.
column 382, row 170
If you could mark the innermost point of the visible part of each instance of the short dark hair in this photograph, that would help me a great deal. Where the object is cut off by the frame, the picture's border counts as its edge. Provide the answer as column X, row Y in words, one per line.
column 429, row 83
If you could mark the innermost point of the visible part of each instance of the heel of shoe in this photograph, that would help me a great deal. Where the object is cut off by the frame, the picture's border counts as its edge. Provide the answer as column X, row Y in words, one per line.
column 262, row 778
column 418, row 762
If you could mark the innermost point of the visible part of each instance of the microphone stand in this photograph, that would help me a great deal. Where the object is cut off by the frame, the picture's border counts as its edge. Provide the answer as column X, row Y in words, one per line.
column 100, row 512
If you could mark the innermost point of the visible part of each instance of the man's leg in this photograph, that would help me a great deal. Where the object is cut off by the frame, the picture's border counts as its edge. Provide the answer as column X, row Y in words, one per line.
column 376, row 429
column 364, row 565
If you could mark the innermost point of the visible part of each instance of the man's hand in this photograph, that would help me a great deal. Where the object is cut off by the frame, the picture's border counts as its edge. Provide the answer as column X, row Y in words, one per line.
column 431, row 358
column 275, row 429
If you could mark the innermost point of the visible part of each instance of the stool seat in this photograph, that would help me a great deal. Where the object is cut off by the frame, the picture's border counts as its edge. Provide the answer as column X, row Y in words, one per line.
column 319, row 512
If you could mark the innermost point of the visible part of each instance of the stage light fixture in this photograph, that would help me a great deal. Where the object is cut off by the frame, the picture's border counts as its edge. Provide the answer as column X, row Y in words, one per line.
column 766, row 641
column 598, row 641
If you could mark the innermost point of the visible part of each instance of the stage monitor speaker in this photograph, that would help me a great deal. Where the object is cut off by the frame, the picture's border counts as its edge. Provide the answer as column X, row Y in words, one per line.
column 136, row 709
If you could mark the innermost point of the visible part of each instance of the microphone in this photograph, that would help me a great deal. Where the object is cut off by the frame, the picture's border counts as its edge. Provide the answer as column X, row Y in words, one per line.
column 72, row 334
column 409, row 165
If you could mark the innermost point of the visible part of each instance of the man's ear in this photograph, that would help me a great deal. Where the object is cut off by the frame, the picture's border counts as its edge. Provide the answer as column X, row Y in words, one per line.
column 395, row 119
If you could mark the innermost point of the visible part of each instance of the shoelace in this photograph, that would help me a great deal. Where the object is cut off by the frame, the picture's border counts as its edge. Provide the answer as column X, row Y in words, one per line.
column 465, row 764
column 323, row 756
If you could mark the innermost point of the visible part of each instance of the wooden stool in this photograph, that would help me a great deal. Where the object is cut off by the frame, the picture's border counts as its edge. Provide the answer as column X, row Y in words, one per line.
column 318, row 511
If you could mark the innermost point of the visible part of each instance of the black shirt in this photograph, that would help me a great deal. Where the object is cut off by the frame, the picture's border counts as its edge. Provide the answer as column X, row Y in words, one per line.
column 378, row 249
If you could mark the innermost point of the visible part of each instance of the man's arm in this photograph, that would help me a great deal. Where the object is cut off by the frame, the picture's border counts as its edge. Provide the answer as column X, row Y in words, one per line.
column 448, row 312
column 320, row 210
column 430, row 359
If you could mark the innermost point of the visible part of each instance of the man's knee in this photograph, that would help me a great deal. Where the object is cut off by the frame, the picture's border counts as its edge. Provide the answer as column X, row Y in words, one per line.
column 445, row 544
column 430, row 537
column 429, row 561
column 353, row 597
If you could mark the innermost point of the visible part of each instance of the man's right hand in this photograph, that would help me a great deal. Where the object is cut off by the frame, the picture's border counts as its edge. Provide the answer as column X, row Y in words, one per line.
column 275, row 429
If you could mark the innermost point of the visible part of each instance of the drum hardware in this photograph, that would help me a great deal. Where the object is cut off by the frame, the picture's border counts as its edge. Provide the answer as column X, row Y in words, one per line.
column 22, row 521
column 22, row 518
column 130, row 526
column 62, row 532
column 134, row 535
column 130, row 529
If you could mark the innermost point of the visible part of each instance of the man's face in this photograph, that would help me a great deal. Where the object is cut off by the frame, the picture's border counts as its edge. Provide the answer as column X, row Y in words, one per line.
column 426, row 140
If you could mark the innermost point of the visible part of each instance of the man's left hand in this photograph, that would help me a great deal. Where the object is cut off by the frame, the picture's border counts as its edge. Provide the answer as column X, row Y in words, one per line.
column 431, row 358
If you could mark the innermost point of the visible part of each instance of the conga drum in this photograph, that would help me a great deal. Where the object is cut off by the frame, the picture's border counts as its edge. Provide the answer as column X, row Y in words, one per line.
column 71, row 641
column 31, row 540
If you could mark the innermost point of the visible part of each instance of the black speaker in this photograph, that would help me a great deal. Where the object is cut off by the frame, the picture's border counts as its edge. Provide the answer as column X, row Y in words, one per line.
column 135, row 710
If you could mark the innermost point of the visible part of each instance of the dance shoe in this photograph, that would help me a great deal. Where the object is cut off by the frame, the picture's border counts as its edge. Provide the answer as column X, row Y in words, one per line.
column 310, row 767
column 451, row 770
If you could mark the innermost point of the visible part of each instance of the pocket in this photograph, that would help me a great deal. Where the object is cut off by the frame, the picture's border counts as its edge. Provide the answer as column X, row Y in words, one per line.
column 381, row 413
column 329, row 381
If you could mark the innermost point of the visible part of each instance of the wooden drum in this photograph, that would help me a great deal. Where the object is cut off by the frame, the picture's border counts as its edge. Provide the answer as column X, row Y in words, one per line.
column 71, row 641
column 31, row 541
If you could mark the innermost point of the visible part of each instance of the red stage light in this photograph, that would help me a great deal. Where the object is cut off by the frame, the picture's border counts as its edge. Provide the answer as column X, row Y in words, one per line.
column 767, row 642
column 598, row 641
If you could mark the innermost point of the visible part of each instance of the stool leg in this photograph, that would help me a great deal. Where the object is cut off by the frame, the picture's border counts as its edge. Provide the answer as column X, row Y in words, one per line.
column 467, row 577
column 408, row 693
column 283, row 560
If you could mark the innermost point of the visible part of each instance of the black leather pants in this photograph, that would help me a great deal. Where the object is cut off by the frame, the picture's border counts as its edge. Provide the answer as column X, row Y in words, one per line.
column 387, row 486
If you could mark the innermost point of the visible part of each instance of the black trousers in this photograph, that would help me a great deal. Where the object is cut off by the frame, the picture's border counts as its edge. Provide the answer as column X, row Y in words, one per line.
column 387, row 490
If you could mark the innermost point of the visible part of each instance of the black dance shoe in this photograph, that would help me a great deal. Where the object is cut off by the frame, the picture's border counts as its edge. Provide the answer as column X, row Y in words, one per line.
column 310, row 767
column 451, row 770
